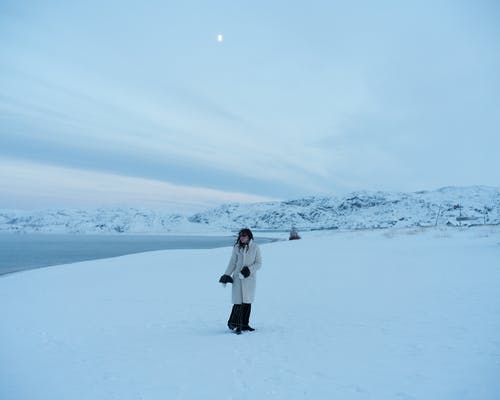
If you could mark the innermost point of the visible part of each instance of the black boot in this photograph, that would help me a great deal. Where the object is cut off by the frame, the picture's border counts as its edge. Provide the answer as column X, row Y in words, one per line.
column 237, row 318
column 247, row 308
column 233, row 321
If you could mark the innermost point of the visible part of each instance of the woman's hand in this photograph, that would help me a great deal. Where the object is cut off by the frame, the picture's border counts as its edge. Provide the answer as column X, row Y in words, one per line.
column 245, row 271
column 225, row 279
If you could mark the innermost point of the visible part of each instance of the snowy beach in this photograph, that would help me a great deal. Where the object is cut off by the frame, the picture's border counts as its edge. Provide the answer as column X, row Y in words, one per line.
column 383, row 314
column 138, row 139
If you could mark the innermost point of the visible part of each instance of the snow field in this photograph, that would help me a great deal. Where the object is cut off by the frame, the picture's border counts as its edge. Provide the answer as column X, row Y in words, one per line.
column 400, row 314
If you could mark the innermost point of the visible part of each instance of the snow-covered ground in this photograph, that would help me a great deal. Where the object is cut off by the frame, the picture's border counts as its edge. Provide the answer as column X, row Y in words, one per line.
column 386, row 314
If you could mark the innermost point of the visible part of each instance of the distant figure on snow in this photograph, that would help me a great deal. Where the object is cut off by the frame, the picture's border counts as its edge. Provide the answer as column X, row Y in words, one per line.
column 294, row 235
column 242, row 273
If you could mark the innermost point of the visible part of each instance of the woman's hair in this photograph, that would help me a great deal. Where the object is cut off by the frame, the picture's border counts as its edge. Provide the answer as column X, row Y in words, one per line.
column 243, row 232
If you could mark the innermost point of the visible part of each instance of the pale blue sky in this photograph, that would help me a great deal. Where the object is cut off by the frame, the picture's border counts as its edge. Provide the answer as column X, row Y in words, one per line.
column 136, row 103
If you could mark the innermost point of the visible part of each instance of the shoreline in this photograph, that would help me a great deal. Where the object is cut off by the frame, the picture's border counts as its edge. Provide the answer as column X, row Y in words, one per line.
column 33, row 251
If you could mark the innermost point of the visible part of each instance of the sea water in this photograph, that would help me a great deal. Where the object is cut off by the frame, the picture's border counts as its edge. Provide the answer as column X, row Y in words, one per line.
column 27, row 251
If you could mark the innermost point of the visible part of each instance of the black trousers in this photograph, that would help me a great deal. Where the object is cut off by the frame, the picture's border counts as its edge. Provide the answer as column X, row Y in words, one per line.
column 240, row 315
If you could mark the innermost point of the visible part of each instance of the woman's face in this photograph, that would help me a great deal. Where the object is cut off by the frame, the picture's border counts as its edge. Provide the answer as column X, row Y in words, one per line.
column 244, row 238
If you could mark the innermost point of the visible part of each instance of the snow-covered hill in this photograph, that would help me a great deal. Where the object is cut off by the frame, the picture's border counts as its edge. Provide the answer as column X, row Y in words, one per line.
column 358, row 210
column 102, row 220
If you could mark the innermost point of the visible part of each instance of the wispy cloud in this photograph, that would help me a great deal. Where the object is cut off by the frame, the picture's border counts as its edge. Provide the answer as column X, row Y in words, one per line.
column 55, row 186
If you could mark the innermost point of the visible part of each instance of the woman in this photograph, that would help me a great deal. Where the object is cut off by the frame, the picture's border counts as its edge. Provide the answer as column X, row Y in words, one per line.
column 242, row 273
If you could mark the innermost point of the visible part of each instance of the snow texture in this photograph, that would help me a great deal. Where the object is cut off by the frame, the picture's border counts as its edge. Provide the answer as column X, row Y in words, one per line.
column 384, row 314
column 358, row 210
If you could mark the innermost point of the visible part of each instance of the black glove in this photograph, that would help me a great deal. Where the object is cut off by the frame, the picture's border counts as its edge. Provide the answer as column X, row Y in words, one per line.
column 225, row 279
column 245, row 272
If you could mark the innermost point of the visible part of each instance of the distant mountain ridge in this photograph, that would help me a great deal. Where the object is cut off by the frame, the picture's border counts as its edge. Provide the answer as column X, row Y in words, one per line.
column 357, row 210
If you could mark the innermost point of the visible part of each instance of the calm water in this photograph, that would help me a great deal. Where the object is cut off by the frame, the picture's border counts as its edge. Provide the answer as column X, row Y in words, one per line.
column 20, row 252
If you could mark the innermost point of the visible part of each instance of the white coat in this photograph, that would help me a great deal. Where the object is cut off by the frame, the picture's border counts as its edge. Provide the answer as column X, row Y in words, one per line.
column 248, row 256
